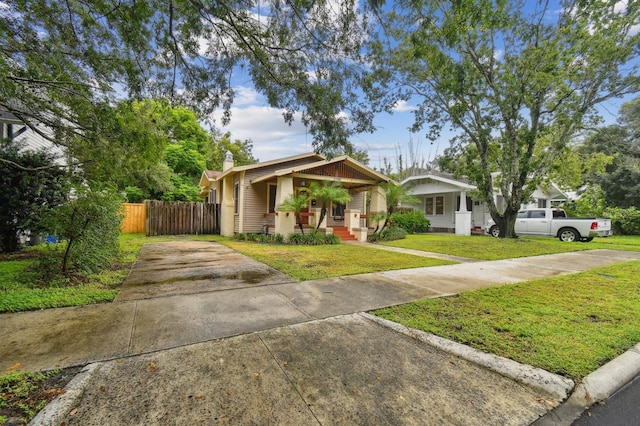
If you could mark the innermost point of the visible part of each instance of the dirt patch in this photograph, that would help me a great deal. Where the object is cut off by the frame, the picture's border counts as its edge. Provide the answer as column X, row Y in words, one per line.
column 22, row 395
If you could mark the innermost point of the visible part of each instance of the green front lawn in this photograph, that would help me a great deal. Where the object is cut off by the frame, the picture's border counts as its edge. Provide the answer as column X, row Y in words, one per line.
column 489, row 248
column 19, row 293
column 569, row 325
column 315, row 262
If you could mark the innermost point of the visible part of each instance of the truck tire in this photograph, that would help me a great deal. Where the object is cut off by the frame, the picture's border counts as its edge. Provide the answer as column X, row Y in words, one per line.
column 568, row 235
column 494, row 231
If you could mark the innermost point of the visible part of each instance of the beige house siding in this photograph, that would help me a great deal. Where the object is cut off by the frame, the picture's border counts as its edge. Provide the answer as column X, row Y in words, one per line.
column 255, row 204
column 256, row 196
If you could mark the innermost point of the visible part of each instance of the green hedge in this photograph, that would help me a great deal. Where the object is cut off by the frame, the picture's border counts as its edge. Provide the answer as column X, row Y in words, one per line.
column 624, row 221
column 411, row 221
column 310, row 239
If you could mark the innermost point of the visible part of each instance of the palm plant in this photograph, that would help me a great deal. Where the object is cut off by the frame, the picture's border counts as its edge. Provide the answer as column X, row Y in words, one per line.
column 295, row 203
column 327, row 193
column 396, row 194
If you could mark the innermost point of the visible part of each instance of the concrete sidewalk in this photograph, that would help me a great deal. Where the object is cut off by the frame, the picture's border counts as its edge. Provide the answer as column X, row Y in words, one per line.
column 340, row 370
column 58, row 338
column 174, row 310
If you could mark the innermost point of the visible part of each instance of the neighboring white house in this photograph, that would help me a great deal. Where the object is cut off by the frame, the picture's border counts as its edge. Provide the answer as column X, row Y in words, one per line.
column 440, row 194
column 11, row 128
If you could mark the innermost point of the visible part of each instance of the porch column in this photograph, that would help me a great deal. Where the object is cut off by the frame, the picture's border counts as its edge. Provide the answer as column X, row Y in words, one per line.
column 378, row 203
column 463, row 216
column 227, row 212
column 352, row 218
column 285, row 222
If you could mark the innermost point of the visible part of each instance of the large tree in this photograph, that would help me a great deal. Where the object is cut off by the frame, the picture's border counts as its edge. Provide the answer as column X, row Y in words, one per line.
column 62, row 64
column 620, row 181
column 514, row 79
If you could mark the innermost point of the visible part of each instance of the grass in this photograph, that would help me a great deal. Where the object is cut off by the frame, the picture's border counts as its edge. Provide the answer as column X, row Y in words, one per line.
column 19, row 293
column 23, row 394
column 569, row 325
column 316, row 262
column 488, row 248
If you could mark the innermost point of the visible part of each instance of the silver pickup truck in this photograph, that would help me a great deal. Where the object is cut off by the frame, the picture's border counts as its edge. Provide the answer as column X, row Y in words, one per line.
column 555, row 223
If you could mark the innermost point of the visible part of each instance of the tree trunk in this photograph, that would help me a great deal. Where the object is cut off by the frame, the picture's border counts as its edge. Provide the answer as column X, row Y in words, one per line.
column 299, row 220
column 323, row 213
column 506, row 223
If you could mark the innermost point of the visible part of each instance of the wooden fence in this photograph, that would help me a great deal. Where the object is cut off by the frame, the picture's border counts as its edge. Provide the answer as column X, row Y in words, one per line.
column 176, row 218
column 135, row 218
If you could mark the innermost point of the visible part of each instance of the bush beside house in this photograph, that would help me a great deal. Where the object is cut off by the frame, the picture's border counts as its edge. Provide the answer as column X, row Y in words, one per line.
column 412, row 221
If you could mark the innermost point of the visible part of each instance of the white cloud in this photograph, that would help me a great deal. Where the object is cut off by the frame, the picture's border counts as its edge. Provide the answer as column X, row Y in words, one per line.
column 272, row 137
column 402, row 106
column 245, row 96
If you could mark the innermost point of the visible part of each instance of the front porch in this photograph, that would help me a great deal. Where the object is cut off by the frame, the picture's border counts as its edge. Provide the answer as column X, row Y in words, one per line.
column 349, row 221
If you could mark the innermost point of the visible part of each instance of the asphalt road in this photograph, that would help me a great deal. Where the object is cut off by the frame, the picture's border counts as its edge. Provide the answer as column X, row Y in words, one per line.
column 622, row 409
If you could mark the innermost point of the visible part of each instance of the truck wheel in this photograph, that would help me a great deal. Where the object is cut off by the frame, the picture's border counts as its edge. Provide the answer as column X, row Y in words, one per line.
column 568, row 235
column 494, row 231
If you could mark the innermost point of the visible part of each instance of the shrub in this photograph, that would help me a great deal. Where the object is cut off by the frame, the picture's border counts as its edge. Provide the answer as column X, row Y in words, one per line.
column 331, row 239
column 411, row 221
column 262, row 238
column 624, row 221
column 90, row 226
column 388, row 234
column 278, row 238
column 295, row 238
column 27, row 191
column 239, row 236
column 312, row 239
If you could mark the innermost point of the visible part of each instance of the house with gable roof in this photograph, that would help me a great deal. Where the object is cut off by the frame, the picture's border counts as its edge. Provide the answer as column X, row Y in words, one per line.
column 249, row 196
column 440, row 195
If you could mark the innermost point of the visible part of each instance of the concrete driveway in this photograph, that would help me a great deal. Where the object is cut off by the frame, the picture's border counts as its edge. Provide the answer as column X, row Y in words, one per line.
column 192, row 339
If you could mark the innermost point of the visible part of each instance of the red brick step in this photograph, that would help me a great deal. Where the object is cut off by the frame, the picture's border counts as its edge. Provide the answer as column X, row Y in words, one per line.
column 343, row 233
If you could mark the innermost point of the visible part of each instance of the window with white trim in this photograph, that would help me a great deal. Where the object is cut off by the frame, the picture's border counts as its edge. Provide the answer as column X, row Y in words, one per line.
column 434, row 206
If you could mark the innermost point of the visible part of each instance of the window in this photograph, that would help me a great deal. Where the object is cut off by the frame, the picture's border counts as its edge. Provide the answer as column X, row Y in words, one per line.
column 542, row 203
column 537, row 214
column 236, row 198
column 213, row 198
column 428, row 206
column 337, row 211
column 522, row 214
column 271, row 197
column 440, row 205
column 434, row 205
